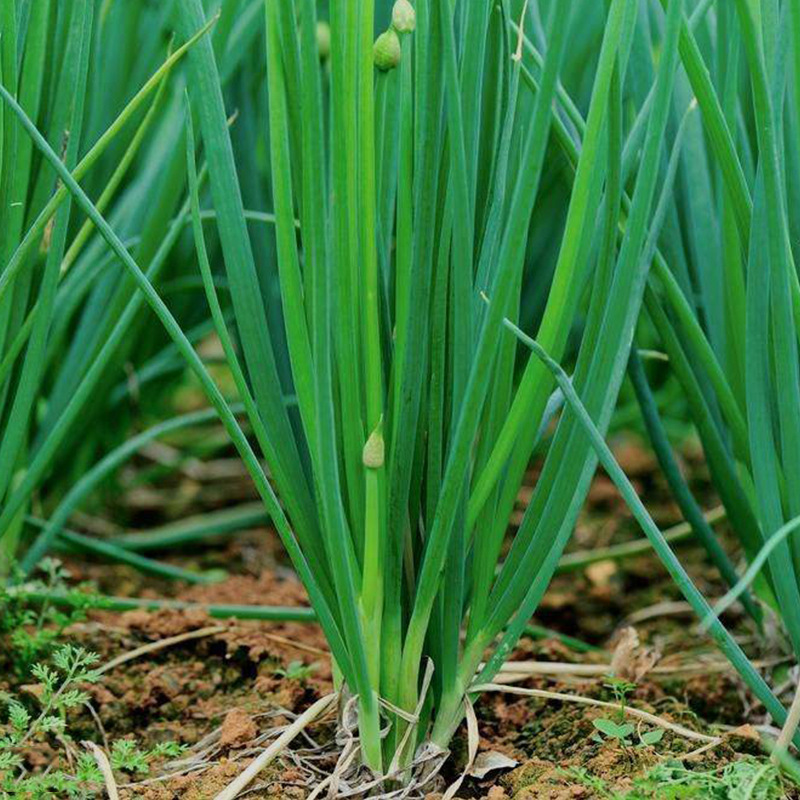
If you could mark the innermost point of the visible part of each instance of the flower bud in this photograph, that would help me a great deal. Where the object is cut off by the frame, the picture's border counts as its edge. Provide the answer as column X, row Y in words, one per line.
column 373, row 455
column 386, row 51
column 404, row 18
column 323, row 40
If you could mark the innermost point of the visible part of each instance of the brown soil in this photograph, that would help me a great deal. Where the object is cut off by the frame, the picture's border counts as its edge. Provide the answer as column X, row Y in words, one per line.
column 234, row 681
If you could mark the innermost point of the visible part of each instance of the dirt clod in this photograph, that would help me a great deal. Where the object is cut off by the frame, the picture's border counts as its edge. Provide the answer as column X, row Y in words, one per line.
column 238, row 728
column 165, row 622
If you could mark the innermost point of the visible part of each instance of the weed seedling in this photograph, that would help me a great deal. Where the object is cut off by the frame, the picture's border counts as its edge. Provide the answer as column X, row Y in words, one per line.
column 621, row 689
column 618, row 730
column 296, row 671
column 60, row 690
column 614, row 731
column 127, row 756
column 34, row 631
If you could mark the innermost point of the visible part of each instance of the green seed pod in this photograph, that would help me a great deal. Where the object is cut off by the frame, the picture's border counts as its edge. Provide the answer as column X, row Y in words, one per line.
column 323, row 40
column 404, row 18
column 386, row 51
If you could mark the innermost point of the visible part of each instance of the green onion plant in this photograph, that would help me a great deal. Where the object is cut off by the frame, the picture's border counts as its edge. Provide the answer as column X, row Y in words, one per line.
column 729, row 322
column 416, row 414
column 70, row 330
column 441, row 176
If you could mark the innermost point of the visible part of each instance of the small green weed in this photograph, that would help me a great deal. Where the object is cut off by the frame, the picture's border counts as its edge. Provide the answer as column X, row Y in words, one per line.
column 607, row 730
column 621, row 689
column 61, row 690
column 296, row 671
column 745, row 779
column 34, row 630
column 59, row 693
column 618, row 729
column 127, row 756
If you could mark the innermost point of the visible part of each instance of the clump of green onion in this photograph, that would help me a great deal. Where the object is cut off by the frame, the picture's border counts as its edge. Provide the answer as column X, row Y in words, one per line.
column 426, row 214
